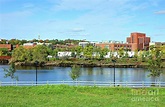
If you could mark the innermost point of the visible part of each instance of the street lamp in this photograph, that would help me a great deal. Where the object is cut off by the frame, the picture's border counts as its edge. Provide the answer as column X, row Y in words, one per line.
column 36, row 65
column 114, row 61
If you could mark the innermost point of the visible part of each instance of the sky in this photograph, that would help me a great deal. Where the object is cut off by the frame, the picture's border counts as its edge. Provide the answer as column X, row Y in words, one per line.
column 93, row 20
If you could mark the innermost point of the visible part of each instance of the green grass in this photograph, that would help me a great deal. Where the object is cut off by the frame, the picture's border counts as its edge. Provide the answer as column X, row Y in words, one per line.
column 71, row 96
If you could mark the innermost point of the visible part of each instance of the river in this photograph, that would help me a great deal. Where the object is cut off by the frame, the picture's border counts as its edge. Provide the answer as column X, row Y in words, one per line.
column 87, row 74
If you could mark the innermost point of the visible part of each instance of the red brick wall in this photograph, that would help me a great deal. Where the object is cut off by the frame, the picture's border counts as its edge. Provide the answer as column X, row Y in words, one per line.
column 28, row 46
column 5, row 57
column 114, row 46
column 8, row 46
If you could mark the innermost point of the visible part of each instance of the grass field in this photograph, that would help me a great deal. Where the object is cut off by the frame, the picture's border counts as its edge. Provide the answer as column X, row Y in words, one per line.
column 71, row 96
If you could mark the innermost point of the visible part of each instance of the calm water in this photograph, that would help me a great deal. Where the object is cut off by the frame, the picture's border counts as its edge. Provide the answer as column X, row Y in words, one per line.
column 87, row 74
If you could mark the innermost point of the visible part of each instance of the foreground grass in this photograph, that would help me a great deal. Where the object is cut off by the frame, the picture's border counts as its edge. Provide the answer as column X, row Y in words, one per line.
column 70, row 96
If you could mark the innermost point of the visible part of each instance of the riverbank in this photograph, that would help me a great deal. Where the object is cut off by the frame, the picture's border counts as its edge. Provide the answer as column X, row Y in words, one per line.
column 72, row 96
column 96, row 64
column 86, row 64
column 124, row 63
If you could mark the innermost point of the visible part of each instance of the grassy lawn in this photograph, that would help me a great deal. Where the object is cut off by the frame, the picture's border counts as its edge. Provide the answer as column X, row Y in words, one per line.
column 71, row 96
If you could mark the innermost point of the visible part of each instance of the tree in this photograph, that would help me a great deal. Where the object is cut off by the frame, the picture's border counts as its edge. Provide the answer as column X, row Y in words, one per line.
column 55, row 53
column 126, row 54
column 78, row 51
column 19, row 54
column 10, row 72
column 103, row 52
column 155, row 62
column 75, row 72
column 88, row 52
column 4, row 52
column 140, row 56
column 29, row 55
column 97, row 51
column 73, row 54
column 121, row 52
column 39, row 53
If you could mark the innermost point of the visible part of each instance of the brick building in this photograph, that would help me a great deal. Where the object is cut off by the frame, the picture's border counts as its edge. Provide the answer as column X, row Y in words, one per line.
column 114, row 45
column 139, row 41
column 29, row 45
column 8, row 46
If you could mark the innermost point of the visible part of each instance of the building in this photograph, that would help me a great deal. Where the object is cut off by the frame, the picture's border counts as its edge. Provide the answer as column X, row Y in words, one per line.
column 114, row 45
column 64, row 54
column 84, row 44
column 46, row 44
column 139, row 41
column 157, row 44
column 29, row 45
column 8, row 46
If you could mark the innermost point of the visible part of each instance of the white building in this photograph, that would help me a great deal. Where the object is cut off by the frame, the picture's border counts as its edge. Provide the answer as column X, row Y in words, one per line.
column 28, row 44
column 63, row 54
column 84, row 44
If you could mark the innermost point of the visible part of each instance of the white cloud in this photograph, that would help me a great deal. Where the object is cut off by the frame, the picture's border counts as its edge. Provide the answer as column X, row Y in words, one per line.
column 160, row 12
column 77, row 30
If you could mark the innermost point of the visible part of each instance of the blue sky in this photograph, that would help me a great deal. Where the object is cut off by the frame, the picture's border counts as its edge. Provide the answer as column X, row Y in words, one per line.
column 94, row 20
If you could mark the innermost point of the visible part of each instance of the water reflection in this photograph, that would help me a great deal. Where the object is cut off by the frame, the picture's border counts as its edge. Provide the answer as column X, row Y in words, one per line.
column 87, row 74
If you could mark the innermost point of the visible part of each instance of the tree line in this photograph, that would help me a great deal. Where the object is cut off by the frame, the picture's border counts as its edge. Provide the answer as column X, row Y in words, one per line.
column 53, row 41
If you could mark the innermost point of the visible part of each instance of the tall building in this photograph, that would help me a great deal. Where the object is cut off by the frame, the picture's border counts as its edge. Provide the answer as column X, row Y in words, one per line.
column 139, row 41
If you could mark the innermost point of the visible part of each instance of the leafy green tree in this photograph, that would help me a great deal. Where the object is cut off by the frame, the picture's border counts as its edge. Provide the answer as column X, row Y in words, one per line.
column 162, row 48
column 4, row 52
column 88, row 52
column 19, row 54
column 140, row 56
column 78, row 51
column 39, row 53
column 97, row 51
column 121, row 52
column 1, row 53
column 29, row 55
column 15, row 41
column 10, row 72
column 73, row 54
column 103, row 52
column 3, row 41
column 49, row 50
column 75, row 72
column 155, row 62
column 111, row 54
column 55, row 53
column 136, row 54
column 126, row 54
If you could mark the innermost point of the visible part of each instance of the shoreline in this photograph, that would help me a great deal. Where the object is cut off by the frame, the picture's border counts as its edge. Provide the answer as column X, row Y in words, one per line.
column 84, row 64
column 87, row 63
